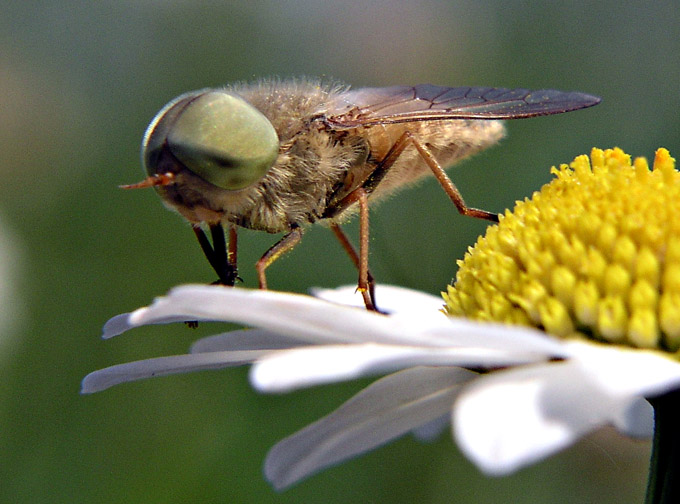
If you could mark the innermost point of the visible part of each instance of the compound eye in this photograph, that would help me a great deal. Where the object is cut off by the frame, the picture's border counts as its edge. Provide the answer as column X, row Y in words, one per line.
column 216, row 135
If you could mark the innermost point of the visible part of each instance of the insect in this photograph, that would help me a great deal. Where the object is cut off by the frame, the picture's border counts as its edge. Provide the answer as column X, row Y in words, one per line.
column 277, row 156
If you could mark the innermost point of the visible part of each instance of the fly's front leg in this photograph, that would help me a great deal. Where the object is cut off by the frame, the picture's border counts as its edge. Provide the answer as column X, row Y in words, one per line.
column 284, row 245
column 221, row 258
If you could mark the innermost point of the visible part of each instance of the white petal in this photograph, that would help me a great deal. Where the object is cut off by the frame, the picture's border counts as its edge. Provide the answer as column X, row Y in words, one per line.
column 294, row 315
column 389, row 298
column 388, row 408
column 499, row 424
column 315, row 321
column 162, row 366
column 464, row 332
column 635, row 419
column 433, row 429
column 626, row 371
column 629, row 374
column 406, row 304
column 245, row 339
column 308, row 366
column 119, row 324
column 510, row 419
column 116, row 325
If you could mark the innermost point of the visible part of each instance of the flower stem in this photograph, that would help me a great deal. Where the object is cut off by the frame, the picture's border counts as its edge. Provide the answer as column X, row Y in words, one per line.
column 663, row 486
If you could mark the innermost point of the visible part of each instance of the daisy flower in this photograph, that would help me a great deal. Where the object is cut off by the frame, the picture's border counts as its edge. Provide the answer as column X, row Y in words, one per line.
column 565, row 317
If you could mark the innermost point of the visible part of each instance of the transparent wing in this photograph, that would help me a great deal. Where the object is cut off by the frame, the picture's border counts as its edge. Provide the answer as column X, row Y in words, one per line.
column 425, row 102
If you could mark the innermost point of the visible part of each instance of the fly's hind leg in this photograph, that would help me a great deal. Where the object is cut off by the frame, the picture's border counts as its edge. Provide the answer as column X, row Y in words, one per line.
column 449, row 187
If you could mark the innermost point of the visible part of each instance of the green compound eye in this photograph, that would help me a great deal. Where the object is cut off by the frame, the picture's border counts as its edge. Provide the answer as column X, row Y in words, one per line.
column 215, row 134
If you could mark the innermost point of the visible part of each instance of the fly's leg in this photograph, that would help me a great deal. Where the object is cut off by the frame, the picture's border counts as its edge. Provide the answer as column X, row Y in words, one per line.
column 232, row 248
column 360, row 196
column 449, row 187
column 284, row 245
column 221, row 257
column 366, row 282
column 364, row 288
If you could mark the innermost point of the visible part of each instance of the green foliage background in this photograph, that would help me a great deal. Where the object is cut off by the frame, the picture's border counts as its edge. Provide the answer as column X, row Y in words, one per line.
column 79, row 82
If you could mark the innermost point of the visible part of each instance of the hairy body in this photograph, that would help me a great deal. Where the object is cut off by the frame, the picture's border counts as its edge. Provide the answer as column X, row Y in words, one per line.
column 316, row 166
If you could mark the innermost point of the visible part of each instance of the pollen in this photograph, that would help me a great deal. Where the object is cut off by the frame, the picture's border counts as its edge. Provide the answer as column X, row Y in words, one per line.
column 594, row 254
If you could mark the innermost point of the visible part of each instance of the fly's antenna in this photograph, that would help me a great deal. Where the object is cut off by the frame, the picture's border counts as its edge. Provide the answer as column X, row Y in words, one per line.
column 160, row 179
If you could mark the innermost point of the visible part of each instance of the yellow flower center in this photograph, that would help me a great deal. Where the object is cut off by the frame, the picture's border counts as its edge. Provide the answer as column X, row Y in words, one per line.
column 595, row 253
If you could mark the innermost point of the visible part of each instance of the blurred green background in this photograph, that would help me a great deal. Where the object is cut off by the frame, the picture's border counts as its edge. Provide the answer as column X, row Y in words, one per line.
column 79, row 81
